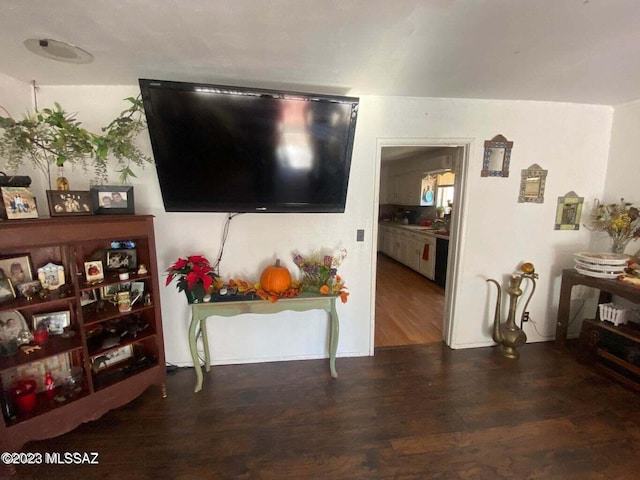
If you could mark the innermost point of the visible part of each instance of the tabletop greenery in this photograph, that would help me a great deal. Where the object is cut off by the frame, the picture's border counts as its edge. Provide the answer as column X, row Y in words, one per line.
column 53, row 137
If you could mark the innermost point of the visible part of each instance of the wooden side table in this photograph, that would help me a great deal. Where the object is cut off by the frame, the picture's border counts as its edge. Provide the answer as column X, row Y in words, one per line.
column 607, row 287
column 301, row 303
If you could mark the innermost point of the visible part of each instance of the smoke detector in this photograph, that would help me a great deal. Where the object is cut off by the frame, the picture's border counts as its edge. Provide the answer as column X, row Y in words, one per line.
column 56, row 50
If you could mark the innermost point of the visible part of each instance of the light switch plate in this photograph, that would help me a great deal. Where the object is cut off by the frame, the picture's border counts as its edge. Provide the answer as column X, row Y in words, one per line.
column 359, row 235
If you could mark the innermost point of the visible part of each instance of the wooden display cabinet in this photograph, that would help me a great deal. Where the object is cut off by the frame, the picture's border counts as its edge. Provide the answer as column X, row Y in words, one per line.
column 119, row 353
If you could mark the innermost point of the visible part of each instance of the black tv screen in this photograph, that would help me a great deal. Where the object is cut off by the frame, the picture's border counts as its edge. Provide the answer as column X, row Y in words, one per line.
column 230, row 149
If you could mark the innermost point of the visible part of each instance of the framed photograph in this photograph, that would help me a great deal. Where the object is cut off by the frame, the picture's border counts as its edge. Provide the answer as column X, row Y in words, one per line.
column 109, row 292
column 93, row 271
column 88, row 297
column 112, row 199
column 137, row 288
column 17, row 268
column 122, row 259
column 51, row 276
column 53, row 321
column 6, row 290
column 111, row 357
column 19, row 202
column 29, row 290
column 69, row 202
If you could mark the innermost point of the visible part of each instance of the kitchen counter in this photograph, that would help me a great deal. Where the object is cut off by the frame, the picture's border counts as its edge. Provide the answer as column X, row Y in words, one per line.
column 436, row 232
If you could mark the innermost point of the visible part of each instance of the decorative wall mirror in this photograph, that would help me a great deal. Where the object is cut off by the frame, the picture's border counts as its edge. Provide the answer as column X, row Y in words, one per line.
column 532, row 184
column 497, row 154
column 569, row 212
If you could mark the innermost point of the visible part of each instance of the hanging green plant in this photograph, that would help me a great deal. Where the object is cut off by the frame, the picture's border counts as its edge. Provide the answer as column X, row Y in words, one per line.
column 52, row 137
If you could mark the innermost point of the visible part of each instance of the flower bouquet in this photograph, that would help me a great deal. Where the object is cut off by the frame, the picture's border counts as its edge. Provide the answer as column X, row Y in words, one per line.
column 195, row 275
column 320, row 273
column 621, row 221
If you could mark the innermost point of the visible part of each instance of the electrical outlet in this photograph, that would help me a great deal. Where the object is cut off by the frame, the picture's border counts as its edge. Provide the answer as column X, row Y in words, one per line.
column 525, row 317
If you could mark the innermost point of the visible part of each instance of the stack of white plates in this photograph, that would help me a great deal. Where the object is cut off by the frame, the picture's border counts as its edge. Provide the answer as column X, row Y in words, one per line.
column 600, row 265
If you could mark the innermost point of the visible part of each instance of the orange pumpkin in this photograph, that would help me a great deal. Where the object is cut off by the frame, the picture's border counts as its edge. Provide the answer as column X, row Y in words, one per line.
column 275, row 278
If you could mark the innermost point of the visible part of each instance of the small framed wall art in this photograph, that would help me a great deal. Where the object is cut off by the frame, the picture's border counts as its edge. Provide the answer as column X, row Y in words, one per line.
column 569, row 211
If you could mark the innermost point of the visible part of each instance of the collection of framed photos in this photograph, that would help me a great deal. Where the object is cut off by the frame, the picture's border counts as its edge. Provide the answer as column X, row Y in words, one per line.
column 19, row 202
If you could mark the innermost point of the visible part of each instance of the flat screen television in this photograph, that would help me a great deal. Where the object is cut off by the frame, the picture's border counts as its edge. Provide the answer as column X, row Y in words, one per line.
column 230, row 149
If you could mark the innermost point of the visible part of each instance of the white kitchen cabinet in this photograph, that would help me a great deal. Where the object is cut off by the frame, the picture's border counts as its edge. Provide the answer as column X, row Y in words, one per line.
column 406, row 188
column 416, row 250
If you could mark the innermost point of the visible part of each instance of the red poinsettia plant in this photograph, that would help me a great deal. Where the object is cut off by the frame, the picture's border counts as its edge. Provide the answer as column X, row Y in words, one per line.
column 194, row 273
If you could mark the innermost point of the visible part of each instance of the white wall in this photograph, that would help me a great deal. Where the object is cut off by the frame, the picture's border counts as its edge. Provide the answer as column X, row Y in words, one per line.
column 571, row 141
column 623, row 180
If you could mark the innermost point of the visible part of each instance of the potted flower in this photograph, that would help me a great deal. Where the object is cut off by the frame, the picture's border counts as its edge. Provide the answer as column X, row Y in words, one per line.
column 320, row 273
column 194, row 276
column 620, row 221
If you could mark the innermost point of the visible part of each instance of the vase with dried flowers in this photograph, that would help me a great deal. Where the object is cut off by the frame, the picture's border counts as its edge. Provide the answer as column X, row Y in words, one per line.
column 320, row 273
column 194, row 276
column 621, row 221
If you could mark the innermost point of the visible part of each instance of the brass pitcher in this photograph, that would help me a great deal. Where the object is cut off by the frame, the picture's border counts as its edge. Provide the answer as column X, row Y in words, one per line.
column 508, row 335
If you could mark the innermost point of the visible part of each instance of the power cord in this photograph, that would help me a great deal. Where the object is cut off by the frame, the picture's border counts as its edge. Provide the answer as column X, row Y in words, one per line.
column 225, row 234
column 535, row 327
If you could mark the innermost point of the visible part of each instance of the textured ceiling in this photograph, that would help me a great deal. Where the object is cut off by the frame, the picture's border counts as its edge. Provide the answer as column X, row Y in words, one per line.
column 582, row 51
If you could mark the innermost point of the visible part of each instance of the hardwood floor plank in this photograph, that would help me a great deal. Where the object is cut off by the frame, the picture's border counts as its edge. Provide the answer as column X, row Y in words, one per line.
column 409, row 308
column 414, row 412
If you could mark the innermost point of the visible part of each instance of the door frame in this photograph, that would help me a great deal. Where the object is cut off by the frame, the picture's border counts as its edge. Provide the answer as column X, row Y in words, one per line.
column 461, row 167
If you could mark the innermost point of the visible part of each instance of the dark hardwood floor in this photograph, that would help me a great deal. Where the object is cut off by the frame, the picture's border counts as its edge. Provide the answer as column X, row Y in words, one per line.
column 409, row 308
column 415, row 412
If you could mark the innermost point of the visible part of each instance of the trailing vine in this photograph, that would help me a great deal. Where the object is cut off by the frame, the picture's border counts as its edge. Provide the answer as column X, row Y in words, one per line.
column 53, row 137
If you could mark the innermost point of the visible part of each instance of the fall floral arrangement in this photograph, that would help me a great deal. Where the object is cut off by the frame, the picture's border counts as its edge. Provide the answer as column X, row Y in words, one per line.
column 620, row 220
column 320, row 273
column 195, row 275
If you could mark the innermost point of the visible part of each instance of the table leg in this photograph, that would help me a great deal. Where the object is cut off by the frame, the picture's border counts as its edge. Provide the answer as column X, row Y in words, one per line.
column 564, row 307
column 193, row 327
column 333, row 339
column 205, row 344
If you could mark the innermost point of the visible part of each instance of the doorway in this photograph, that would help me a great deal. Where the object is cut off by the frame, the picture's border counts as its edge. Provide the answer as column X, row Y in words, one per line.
column 412, row 309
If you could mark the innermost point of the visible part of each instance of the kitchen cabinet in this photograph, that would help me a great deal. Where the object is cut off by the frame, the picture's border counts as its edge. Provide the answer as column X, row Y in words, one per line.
column 416, row 250
column 406, row 188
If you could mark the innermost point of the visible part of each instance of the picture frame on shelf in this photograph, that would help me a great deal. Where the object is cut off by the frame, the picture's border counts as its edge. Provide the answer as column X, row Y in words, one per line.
column 111, row 357
column 69, row 202
column 109, row 292
column 93, row 271
column 55, row 322
column 7, row 292
column 18, row 203
column 121, row 259
column 137, row 288
column 17, row 267
column 29, row 290
column 88, row 297
column 51, row 276
column 112, row 199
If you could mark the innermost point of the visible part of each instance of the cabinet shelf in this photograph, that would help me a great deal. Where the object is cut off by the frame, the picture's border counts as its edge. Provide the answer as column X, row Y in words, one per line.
column 126, row 341
column 122, row 371
column 112, row 313
column 36, row 303
column 55, row 345
column 112, row 279
column 45, row 404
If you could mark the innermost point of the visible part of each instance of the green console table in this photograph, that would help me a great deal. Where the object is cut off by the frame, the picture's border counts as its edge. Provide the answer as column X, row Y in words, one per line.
column 304, row 302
